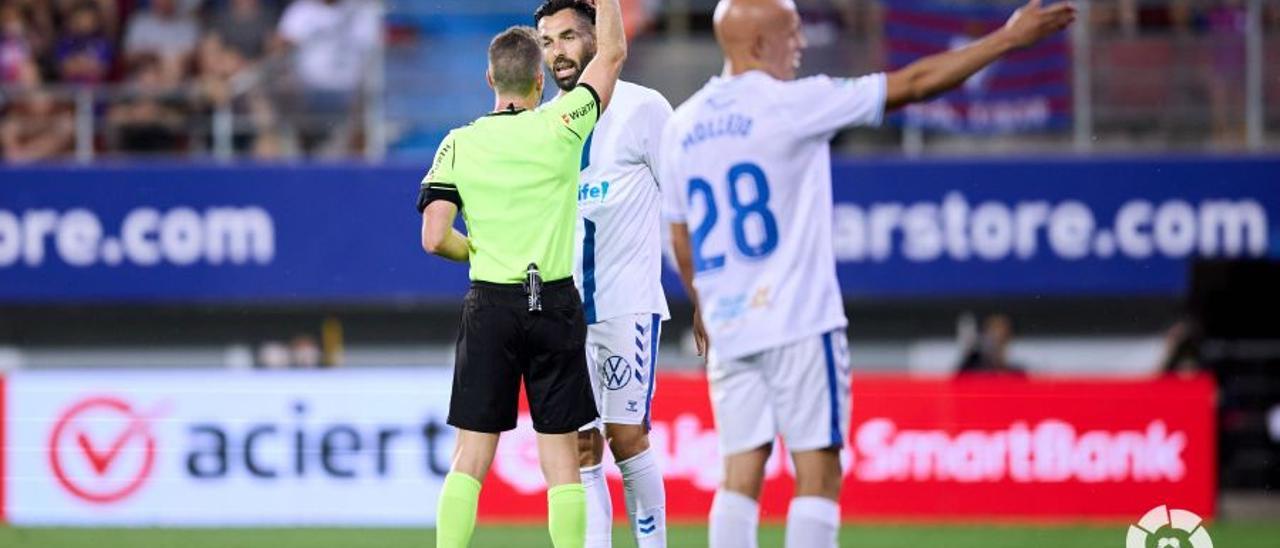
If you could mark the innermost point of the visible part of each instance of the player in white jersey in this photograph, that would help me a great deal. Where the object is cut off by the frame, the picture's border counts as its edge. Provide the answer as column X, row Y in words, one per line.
column 618, row 271
column 747, row 188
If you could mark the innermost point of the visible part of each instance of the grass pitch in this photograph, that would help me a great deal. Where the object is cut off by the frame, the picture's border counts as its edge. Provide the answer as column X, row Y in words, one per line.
column 1225, row 534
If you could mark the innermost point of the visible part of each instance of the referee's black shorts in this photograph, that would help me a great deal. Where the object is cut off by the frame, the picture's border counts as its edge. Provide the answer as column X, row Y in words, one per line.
column 501, row 342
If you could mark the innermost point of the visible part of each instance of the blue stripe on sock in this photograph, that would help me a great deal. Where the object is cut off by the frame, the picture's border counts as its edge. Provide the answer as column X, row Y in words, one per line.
column 836, row 439
column 589, row 270
column 653, row 360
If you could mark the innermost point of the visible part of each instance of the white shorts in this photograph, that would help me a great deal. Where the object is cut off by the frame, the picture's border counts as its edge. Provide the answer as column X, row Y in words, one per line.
column 799, row 391
column 620, row 356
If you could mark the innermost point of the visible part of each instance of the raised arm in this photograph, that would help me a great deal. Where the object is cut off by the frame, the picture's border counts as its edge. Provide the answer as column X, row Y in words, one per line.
column 935, row 74
column 611, row 51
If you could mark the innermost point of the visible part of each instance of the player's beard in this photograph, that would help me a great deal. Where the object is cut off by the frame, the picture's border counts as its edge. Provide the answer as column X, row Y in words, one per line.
column 571, row 81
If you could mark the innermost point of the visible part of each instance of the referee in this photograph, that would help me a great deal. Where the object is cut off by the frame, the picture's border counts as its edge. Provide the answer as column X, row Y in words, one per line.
column 514, row 175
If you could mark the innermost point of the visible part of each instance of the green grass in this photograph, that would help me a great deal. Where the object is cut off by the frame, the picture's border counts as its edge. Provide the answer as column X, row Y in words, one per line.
column 1226, row 535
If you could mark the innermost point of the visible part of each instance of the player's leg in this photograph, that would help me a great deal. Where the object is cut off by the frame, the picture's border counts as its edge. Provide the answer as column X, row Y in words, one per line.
column 629, row 347
column 811, row 384
column 813, row 518
column 643, row 488
column 486, row 384
column 590, row 457
column 745, row 428
column 735, row 512
column 560, row 402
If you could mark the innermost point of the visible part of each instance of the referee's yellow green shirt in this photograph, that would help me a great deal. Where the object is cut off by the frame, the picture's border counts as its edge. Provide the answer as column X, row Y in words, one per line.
column 515, row 176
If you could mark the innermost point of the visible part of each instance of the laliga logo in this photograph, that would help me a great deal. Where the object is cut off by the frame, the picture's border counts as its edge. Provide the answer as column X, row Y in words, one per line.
column 102, row 450
column 1165, row 528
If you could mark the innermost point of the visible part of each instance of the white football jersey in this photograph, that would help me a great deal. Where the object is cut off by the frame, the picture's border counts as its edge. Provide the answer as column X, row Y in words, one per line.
column 746, row 164
column 618, row 256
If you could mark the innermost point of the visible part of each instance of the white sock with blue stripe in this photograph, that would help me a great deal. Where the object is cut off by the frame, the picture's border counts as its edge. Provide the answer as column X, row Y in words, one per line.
column 646, row 498
column 734, row 520
column 812, row 522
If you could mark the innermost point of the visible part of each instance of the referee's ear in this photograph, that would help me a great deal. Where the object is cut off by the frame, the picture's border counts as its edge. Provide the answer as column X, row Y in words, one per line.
column 488, row 77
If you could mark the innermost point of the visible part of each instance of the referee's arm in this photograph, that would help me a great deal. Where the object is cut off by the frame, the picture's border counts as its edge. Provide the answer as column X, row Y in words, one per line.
column 438, row 235
column 439, row 202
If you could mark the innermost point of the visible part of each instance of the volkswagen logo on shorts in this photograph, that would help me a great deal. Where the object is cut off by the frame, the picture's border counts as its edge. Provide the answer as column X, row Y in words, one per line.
column 616, row 372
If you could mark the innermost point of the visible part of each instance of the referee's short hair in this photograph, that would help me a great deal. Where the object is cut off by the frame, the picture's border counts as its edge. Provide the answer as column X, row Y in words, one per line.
column 515, row 57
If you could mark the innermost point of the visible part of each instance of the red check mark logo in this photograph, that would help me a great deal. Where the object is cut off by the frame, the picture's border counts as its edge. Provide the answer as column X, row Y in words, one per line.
column 70, row 438
column 101, row 461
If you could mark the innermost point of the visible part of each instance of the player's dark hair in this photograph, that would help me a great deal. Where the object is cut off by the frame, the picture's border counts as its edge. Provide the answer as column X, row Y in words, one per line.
column 515, row 58
column 586, row 12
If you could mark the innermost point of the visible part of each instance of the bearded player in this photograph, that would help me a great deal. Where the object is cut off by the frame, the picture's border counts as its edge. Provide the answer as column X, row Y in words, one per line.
column 618, row 272
column 746, row 167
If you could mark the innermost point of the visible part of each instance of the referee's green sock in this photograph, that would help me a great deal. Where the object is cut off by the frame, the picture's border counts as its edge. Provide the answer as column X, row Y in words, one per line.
column 567, row 515
column 456, row 513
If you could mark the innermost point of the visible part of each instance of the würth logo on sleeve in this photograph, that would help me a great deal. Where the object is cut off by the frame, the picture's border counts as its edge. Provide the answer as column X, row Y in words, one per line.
column 580, row 112
column 102, row 450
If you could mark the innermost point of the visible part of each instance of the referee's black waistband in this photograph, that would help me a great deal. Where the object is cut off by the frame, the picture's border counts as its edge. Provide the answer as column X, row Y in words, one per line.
column 519, row 288
column 555, row 294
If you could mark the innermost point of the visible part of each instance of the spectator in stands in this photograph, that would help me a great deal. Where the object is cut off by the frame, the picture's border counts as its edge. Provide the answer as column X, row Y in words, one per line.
column 217, row 65
column 1137, row 15
column 304, row 352
column 17, row 60
column 245, row 27
column 84, row 54
column 165, row 32
column 1182, row 349
column 273, row 355
column 1225, row 73
column 150, row 118
column 990, row 352
column 332, row 41
column 108, row 12
column 36, row 129
column 38, row 20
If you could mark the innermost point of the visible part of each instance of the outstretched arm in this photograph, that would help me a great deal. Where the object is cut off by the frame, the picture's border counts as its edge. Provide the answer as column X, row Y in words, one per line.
column 935, row 74
column 611, row 51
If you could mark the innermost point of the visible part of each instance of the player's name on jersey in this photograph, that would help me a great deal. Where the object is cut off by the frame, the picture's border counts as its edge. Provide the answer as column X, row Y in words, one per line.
column 730, row 125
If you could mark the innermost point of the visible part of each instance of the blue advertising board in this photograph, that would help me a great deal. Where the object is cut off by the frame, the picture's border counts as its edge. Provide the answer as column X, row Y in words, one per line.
column 1056, row 227
column 349, row 233
column 216, row 234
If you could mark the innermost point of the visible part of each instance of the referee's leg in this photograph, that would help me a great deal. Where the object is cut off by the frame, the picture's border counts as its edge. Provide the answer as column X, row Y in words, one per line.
column 486, row 384
column 560, row 401
column 456, row 515
column 566, row 497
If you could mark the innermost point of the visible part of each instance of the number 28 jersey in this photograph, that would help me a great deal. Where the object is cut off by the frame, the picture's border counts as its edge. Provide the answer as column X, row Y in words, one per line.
column 746, row 165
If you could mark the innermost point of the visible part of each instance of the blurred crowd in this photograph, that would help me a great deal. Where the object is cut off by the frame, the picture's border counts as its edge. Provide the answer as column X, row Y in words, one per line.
column 985, row 348
column 290, row 73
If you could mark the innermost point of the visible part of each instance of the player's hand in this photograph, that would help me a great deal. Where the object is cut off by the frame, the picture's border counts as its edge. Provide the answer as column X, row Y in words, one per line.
column 1033, row 22
column 700, row 336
